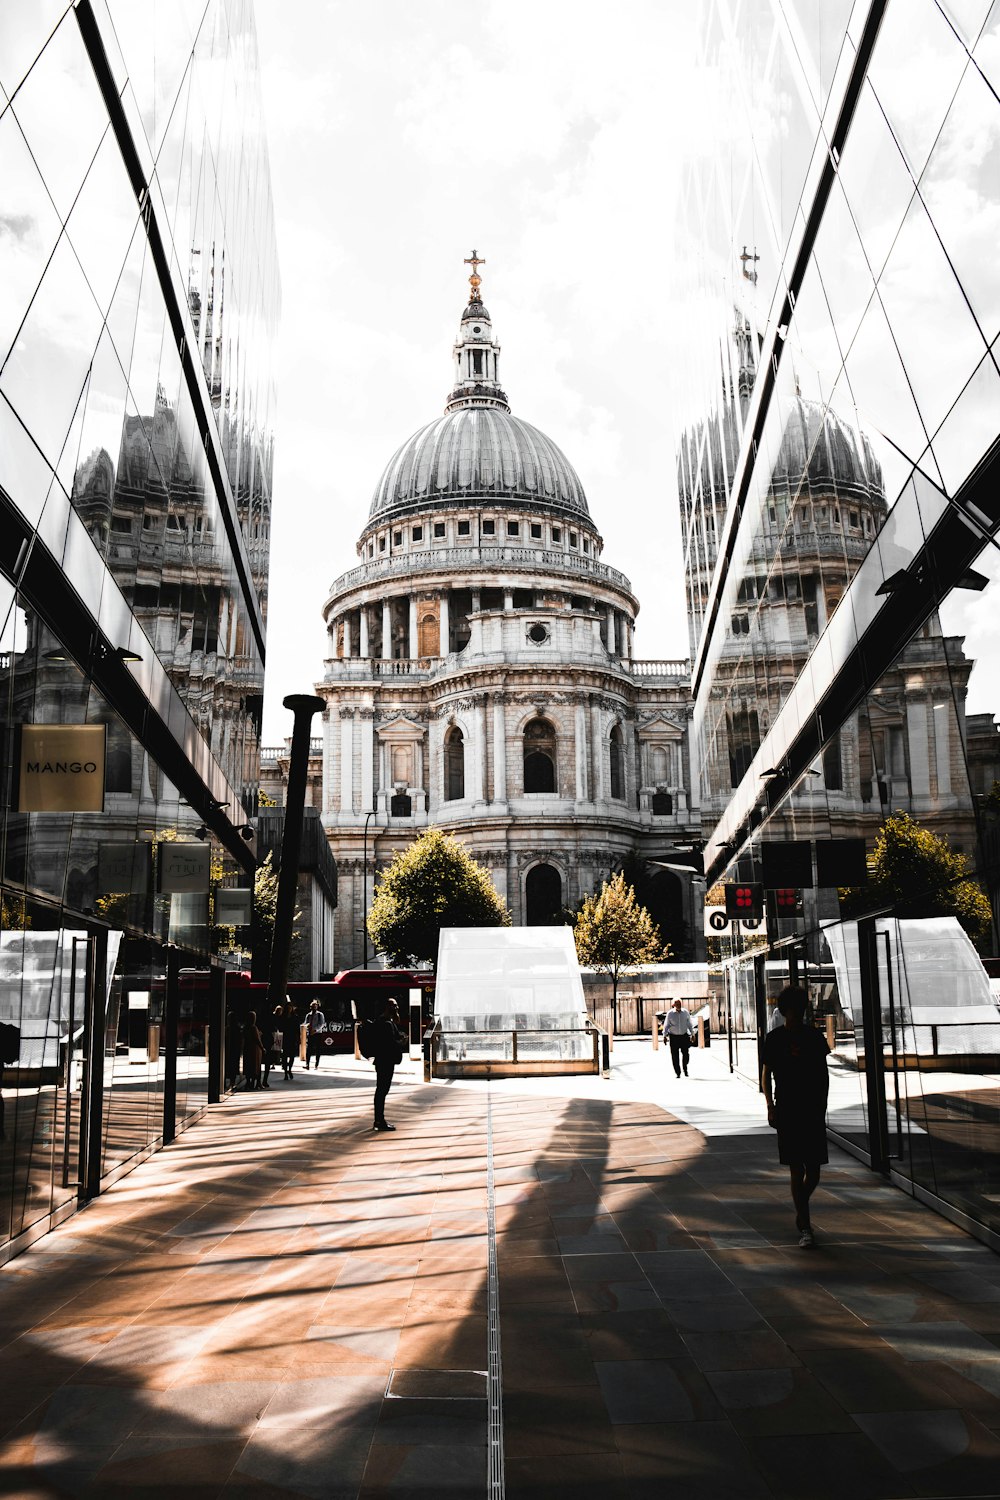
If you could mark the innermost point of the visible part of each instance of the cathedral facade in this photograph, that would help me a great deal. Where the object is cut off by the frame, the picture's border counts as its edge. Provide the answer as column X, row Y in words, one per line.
column 481, row 678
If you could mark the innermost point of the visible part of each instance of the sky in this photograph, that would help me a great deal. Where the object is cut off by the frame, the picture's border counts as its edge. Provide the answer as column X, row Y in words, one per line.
column 547, row 137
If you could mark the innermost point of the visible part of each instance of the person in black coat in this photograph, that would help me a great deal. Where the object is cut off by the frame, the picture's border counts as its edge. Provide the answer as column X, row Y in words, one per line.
column 387, row 1043
column 290, row 1033
column 796, row 1083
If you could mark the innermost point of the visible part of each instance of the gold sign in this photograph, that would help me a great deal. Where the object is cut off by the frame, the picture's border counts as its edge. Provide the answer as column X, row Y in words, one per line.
column 183, row 869
column 60, row 767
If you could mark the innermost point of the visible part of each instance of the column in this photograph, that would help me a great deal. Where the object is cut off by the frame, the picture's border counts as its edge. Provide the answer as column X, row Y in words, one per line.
column 479, row 729
column 413, row 642
column 581, row 751
column 508, row 600
column 499, row 749
column 347, row 760
column 597, row 741
column 347, row 636
column 942, row 746
column 445, row 625
column 612, row 644
column 631, row 774
column 366, row 717
column 386, row 629
column 916, row 733
column 692, row 757
column 363, row 631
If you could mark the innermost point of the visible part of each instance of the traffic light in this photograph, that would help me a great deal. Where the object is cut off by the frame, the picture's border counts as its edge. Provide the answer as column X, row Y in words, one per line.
column 786, row 900
column 744, row 902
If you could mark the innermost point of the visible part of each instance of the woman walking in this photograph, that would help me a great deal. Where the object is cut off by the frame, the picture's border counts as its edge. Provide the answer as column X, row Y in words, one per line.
column 290, row 1031
column 253, row 1051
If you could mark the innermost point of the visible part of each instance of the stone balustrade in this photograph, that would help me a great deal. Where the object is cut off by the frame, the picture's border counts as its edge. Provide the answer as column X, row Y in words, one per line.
column 445, row 559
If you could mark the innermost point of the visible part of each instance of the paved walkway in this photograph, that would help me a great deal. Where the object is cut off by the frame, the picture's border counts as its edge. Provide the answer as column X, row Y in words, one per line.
column 283, row 1305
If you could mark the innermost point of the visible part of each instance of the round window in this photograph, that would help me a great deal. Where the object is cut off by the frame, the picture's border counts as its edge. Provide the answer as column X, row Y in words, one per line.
column 538, row 634
column 477, row 329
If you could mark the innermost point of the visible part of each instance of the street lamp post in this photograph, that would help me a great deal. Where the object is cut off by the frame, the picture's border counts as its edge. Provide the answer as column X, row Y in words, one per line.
column 364, row 895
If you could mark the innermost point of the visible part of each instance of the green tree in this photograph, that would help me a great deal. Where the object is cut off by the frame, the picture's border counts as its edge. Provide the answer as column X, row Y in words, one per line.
column 913, row 872
column 614, row 934
column 434, row 883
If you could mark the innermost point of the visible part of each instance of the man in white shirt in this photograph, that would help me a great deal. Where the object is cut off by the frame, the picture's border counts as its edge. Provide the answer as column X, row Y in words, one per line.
column 678, row 1030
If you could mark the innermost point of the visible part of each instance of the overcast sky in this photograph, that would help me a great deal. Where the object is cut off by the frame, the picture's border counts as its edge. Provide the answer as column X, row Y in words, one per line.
column 547, row 136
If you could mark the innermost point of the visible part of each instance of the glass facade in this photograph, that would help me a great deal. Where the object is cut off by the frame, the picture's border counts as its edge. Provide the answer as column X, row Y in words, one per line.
column 838, row 476
column 138, row 314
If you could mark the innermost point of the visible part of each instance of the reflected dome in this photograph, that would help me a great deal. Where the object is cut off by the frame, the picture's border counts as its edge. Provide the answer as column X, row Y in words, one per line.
column 832, row 453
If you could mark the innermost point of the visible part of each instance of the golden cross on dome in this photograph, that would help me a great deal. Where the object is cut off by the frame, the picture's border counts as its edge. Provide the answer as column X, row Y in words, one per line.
column 475, row 280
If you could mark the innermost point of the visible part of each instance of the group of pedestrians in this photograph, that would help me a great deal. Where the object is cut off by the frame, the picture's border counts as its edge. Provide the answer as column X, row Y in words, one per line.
column 274, row 1041
column 795, row 1084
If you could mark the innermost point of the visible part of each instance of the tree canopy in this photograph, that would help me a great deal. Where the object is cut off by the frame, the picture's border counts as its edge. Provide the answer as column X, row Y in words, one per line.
column 434, row 883
column 614, row 934
column 914, row 872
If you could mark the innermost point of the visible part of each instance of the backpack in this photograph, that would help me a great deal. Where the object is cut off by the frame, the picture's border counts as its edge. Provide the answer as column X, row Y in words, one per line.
column 10, row 1043
column 366, row 1038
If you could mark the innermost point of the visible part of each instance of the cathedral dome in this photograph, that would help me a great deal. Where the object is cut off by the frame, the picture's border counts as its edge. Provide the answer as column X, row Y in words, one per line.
column 478, row 452
column 835, row 456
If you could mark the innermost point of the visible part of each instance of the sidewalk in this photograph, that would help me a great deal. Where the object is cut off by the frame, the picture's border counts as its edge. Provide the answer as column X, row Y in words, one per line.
column 282, row 1304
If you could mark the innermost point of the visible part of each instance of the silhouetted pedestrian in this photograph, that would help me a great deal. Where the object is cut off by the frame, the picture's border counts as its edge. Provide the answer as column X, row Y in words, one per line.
column 290, row 1038
column 796, row 1084
column 387, row 1044
column 253, row 1051
column 270, row 1035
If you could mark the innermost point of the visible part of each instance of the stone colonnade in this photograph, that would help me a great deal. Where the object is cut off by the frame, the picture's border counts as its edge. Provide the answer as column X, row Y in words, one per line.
column 423, row 626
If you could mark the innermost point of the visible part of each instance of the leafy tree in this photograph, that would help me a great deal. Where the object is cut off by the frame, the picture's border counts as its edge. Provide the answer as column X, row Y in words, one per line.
column 614, row 934
column 914, row 872
column 434, row 883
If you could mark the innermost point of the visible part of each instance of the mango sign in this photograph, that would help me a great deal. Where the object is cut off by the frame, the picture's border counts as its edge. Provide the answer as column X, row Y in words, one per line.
column 60, row 767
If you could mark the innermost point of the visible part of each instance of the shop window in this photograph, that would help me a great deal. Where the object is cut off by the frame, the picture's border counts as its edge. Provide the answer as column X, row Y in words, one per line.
column 539, row 756
column 454, row 765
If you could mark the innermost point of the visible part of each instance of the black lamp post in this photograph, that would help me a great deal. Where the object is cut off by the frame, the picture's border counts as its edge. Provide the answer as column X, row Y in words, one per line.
column 303, row 706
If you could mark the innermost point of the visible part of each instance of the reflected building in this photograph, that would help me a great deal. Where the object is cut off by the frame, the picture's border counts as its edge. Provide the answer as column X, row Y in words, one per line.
column 140, row 301
column 481, row 677
column 838, row 491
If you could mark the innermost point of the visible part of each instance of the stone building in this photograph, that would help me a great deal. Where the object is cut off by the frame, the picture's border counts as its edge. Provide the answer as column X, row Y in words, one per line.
column 481, row 677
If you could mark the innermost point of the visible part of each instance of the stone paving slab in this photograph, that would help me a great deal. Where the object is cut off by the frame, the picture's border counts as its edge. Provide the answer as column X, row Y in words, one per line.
column 282, row 1304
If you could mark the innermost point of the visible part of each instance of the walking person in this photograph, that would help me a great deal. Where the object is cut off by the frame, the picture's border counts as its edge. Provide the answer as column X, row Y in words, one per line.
column 386, row 1042
column 678, row 1029
column 315, row 1031
column 290, row 1036
column 270, row 1033
column 796, row 1083
column 253, row 1051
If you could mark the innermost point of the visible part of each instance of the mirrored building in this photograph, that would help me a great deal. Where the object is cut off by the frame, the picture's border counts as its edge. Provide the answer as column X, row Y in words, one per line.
column 139, row 309
column 838, row 479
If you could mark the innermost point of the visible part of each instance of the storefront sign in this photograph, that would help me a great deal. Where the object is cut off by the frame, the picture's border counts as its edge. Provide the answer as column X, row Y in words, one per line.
column 123, row 868
column 60, row 767
column 232, row 906
column 183, row 869
column 717, row 924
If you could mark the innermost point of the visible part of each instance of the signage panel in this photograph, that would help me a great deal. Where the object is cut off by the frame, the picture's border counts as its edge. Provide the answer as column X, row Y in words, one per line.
column 123, row 867
column 232, row 906
column 60, row 767
column 718, row 924
column 183, row 869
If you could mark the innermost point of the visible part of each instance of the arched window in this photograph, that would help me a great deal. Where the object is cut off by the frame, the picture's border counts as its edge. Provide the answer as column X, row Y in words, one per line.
column 617, row 764
column 539, row 756
column 454, row 765
column 543, row 897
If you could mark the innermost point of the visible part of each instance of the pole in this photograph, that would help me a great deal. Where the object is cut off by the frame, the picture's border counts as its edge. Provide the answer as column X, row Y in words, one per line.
column 364, row 892
column 302, row 706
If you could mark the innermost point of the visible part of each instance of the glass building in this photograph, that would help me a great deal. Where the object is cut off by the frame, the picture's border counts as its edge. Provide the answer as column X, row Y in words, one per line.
column 138, row 312
column 839, row 484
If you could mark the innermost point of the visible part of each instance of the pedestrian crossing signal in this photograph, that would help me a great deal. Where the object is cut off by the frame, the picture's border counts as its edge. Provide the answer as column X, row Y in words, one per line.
column 786, row 899
column 744, row 902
